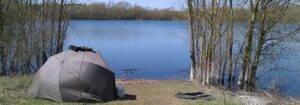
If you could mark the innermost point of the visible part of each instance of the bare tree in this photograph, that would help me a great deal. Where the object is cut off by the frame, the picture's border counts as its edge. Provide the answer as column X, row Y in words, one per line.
column 269, row 16
column 60, row 23
column 213, row 20
column 192, row 41
column 1, row 37
column 248, row 48
column 230, row 44
column 29, row 33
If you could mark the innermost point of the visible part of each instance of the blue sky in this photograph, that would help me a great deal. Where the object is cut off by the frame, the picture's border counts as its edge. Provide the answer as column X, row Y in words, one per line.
column 145, row 3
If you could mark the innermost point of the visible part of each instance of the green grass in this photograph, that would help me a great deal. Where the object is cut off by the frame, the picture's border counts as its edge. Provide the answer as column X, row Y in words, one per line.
column 13, row 92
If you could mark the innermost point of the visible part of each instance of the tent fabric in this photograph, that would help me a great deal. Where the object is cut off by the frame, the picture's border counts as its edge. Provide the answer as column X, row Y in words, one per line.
column 74, row 76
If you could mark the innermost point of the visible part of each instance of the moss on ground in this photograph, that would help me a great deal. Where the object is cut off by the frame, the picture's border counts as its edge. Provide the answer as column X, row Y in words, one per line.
column 149, row 92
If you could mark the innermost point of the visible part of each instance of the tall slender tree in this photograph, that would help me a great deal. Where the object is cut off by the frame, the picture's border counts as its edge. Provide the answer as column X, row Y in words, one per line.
column 60, row 36
column 1, row 38
column 248, row 48
column 230, row 44
column 192, row 40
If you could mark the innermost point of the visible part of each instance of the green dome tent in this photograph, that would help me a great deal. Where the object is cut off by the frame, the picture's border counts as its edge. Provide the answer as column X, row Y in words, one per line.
column 74, row 76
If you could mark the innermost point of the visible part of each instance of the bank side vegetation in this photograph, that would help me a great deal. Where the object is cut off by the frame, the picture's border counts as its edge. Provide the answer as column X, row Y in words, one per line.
column 30, row 32
column 221, row 56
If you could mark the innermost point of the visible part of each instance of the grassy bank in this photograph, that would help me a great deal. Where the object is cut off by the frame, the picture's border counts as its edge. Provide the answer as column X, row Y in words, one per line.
column 147, row 92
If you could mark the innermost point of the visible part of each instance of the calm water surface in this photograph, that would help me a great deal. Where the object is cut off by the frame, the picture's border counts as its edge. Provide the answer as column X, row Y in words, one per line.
column 157, row 50
column 154, row 49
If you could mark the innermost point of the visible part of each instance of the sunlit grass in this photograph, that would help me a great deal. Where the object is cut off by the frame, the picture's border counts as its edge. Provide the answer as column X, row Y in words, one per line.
column 13, row 92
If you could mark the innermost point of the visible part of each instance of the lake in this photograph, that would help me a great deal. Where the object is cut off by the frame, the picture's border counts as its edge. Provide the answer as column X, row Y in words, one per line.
column 153, row 49
column 156, row 50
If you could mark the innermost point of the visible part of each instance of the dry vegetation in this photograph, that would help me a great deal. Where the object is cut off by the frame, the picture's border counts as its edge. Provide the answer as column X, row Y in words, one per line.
column 148, row 92
column 13, row 92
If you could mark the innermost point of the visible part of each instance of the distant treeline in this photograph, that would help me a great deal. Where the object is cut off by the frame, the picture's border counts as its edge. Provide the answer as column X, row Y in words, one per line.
column 126, row 11
column 292, row 14
column 122, row 11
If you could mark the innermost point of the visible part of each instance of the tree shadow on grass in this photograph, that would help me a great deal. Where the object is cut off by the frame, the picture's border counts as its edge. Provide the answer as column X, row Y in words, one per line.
column 194, row 96
column 125, row 98
column 128, row 97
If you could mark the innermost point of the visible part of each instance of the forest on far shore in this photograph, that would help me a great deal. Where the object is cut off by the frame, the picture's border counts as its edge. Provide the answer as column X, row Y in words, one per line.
column 122, row 11
column 126, row 11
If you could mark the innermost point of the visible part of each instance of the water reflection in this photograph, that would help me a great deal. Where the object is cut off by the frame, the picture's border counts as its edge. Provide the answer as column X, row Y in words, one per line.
column 159, row 47
column 159, row 50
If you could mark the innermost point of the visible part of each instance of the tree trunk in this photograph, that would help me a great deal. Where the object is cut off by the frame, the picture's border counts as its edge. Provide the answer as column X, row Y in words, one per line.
column 230, row 45
column 258, row 50
column 203, row 36
column 2, row 65
column 59, row 43
column 192, row 41
column 2, row 60
column 248, row 48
